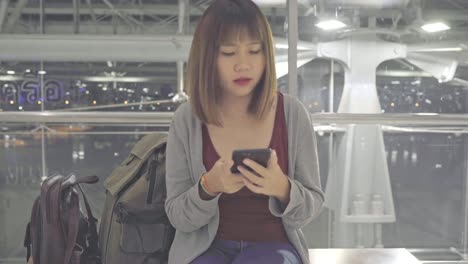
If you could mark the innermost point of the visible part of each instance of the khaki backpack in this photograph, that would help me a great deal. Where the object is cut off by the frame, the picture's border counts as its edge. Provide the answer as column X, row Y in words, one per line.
column 134, row 227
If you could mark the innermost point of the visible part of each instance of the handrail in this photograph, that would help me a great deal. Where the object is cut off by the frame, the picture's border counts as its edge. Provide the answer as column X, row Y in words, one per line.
column 164, row 118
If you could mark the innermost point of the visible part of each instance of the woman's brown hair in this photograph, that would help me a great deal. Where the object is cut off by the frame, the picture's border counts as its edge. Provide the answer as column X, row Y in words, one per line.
column 221, row 22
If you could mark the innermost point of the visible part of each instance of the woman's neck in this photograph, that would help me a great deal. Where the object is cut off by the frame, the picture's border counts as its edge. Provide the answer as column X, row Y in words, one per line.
column 234, row 107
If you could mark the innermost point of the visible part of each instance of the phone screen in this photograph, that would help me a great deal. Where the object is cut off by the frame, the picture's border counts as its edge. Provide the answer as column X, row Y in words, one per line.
column 261, row 156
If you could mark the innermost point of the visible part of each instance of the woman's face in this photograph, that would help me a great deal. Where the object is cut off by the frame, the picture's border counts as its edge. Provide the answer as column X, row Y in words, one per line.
column 240, row 65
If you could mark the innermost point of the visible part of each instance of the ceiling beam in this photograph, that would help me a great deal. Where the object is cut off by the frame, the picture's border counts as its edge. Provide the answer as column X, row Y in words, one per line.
column 445, row 14
column 15, row 15
column 159, row 10
column 89, row 48
column 91, row 68
column 98, row 79
column 124, row 48
column 3, row 12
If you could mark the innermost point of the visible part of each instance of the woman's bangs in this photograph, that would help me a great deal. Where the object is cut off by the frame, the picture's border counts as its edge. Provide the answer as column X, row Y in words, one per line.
column 234, row 20
column 232, row 33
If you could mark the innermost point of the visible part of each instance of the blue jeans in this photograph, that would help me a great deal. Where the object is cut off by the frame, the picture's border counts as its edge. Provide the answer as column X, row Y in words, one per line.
column 242, row 252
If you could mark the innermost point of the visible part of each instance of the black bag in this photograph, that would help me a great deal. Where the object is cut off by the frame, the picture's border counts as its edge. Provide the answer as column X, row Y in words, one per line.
column 59, row 233
column 134, row 227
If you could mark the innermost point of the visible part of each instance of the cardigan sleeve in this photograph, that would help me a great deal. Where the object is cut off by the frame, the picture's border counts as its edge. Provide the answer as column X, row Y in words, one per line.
column 185, row 209
column 306, row 197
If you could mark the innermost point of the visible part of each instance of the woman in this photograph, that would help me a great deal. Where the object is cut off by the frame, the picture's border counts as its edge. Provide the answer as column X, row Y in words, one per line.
column 247, row 217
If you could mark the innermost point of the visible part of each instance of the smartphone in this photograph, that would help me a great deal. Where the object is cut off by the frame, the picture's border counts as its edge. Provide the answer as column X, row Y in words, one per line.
column 261, row 156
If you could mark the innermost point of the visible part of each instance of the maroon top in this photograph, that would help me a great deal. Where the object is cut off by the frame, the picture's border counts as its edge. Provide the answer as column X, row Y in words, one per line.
column 244, row 215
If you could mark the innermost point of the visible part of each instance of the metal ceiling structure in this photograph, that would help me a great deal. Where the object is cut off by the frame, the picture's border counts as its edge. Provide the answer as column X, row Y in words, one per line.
column 159, row 31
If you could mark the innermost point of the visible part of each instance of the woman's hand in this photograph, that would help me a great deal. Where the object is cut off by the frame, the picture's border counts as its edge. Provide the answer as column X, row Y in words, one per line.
column 221, row 179
column 268, row 181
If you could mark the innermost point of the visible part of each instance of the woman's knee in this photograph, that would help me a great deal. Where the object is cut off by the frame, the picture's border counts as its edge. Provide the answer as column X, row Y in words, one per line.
column 211, row 257
column 271, row 253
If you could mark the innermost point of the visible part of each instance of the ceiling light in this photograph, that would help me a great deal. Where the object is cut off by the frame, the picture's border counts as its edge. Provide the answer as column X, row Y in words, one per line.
column 281, row 46
column 330, row 24
column 427, row 114
column 286, row 46
column 11, row 72
column 435, row 27
column 441, row 49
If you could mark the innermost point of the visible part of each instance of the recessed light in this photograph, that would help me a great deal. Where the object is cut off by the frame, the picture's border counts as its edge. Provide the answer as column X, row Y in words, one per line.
column 435, row 27
column 286, row 46
column 330, row 24
column 441, row 49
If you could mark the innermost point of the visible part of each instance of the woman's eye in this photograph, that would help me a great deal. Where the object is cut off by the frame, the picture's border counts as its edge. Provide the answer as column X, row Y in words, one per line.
column 227, row 53
column 255, row 51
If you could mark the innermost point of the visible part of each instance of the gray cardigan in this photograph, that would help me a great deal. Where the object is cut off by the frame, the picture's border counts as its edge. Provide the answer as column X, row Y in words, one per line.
column 196, row 221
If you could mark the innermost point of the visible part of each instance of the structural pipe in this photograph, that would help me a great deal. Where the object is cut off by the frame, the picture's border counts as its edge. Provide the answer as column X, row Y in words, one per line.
column 293, row 36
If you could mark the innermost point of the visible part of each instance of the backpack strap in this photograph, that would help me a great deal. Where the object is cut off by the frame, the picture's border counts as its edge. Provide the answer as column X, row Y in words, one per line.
column 72, row 180
column 35, row 230
column 27, row 241
column 48, row 227
column 152, row 177
column 73, row 226
column 92, row 235
column 49, row 198
column 156, row 174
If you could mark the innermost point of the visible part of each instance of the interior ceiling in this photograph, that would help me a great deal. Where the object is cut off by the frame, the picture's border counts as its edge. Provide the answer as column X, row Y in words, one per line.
column 395, row 20
column 149, row 16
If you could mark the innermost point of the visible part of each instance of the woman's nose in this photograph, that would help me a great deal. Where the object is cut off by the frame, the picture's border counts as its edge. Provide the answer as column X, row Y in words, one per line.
column 242, row 63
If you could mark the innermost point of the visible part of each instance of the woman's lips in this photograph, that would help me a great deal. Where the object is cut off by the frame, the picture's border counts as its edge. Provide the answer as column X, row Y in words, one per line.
column 242, row 81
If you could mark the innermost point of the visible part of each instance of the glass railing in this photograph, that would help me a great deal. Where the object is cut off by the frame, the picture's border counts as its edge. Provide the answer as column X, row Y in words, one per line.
column 393, row 181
